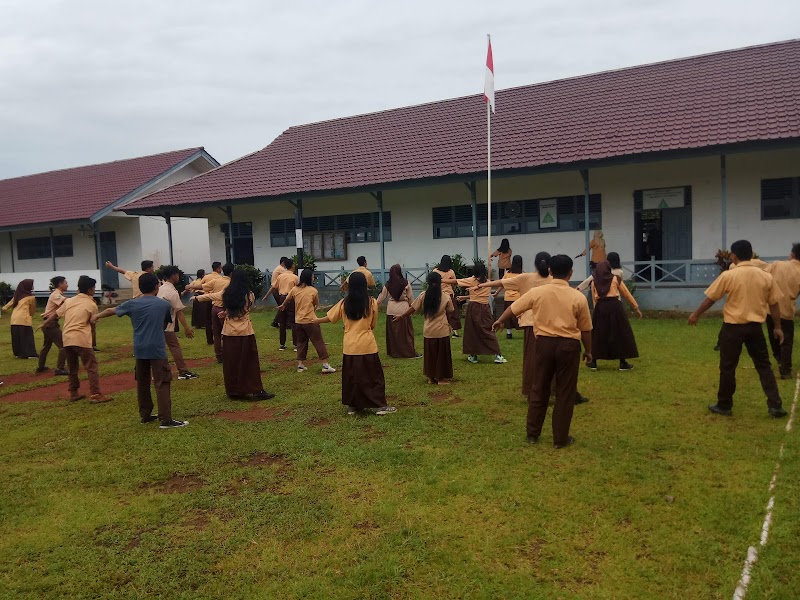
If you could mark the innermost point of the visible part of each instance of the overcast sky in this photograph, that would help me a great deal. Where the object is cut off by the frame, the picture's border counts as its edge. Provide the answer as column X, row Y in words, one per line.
column 86, row 81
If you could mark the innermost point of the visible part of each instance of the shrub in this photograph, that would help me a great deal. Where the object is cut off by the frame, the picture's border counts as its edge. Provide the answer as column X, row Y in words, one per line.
column 182, row 283
column 308, row 262
column 256, row 277
column 6, row 292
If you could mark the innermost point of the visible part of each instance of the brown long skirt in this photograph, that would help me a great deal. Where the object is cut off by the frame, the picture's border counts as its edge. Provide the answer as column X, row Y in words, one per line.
column 612, row 336
column 438, row 362
column 240, row 367
column 22, row 342
column 363, row 385
column 400, row 338
column 512, row 323
column 199, row 316
column 454, row 318
column 479, row 337
column 528, row 357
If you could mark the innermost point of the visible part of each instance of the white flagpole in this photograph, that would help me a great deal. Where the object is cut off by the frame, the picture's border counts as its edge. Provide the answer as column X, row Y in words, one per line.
column 489, row 188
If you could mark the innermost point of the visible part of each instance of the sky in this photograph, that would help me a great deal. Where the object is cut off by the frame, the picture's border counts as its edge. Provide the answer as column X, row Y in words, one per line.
column 89, row 81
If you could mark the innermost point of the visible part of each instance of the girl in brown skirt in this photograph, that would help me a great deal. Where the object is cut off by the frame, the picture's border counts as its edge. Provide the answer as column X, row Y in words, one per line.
column 479, row 337
column 240, row 366
column 612, row 336
column 510, row 295
column 305, row 298
column 52, row 333
column 445, row 270
column 24, row 306
column 503, row 254
column 435, row 305
column 363, row 385
column 199, row 311
column 399, row 332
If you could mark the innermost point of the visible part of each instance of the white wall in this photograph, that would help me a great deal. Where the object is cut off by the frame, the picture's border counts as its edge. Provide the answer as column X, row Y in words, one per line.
column 83, row 254
column 41, row 279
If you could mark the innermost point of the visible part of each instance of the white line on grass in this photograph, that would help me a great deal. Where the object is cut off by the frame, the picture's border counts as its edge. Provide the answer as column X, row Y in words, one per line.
column 752, row 551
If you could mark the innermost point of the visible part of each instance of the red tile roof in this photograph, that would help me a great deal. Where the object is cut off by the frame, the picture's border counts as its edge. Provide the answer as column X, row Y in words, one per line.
column 78, row 193
column 746, row 95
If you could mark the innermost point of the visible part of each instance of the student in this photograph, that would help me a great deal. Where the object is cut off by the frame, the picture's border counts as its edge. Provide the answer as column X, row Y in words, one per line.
column 133, row 276
column 24, row 307
column 149, row 315
column 434, row 304
column 305, row 299
column 240, row 367
column 562, row 321
column 616, row 269
column 277, row 272
column 283, row 285
column 399, row 333
column 598, row 249
column 445, row 271
column 363, row 385
column 77, row 336
column 786, row 274
column 479, row 337
column 362, row 268
column 52, row 333
column 613, row 336
column 217, row 285
column 167, row 291
column 503, row 254
column 751, row 294
column 205, row 308
column 510, row 295
column 198, row 316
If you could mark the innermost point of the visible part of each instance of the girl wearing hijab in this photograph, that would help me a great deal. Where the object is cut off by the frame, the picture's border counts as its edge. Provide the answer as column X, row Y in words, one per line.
column 445, row 271
column 616, row 269
column 612, row 336
column 399, row 333
column 503, row 254
column 438, row 364
column 24, row 306
column 363, row 385
column 240, row 367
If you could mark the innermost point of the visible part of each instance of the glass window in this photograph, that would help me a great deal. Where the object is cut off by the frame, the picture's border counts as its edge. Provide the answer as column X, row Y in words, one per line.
column 780, row 198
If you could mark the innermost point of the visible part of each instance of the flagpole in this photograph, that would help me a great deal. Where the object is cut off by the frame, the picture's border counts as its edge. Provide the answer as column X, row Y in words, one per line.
column 489, row 179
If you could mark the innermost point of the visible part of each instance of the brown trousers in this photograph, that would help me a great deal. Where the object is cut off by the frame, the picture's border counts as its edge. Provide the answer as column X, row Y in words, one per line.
column 731, row 339
column 216, row 326
column 207, row 308
column 161, row 374
column 175, row 350
column 559, row 357
column 286, row 321
column 782, row 352
column 309, row 332
column 86, row 356
column 52, row 337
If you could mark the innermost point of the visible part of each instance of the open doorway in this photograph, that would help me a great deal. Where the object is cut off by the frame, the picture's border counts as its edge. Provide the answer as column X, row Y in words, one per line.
column 108, row 252
column 663, row 229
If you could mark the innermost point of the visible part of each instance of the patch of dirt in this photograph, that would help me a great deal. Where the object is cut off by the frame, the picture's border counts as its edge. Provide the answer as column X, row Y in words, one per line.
column 319, row 422
column 262, row 459
column 176, row 484
column 444, row 396
column 255, row 414
column 373, row 434
column 532, row 552
column 136, row 540
column 198, row 521
column 366, row 525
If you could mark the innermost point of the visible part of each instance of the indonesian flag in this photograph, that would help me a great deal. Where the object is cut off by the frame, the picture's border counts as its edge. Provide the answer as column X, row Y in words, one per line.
column 488, row 86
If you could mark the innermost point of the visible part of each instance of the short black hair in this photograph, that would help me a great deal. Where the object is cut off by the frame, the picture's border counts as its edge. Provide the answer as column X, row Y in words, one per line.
column 201, row 273
column 85, row 283
column 796, row 250
column 283, row 260
column 215, row 265
column 307, row 277
column 57, row 281
column 227, row 269
column 148, row 283
column 361, row 260
column 560, row 266
column 147, row 264
column 742, row 249
column 169, row 271
column 288, row 263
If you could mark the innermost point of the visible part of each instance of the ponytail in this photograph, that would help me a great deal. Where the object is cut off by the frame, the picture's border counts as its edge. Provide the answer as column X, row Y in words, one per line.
column 542, row 261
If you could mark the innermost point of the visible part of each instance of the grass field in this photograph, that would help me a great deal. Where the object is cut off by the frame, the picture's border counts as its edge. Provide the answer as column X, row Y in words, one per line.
column 444, row 499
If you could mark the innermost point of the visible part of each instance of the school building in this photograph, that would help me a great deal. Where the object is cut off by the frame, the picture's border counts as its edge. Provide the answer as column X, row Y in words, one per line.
column 672, row 161
column 66, row 223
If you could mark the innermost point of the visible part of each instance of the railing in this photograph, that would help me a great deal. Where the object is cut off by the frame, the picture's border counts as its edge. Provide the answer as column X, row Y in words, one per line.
column 673, row 273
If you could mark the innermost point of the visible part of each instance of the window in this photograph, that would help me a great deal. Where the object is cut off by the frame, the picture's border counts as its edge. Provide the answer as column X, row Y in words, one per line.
column 517, row 216
column 31, row 248
column 780, row 198
column 357, row 228
column 242, row 242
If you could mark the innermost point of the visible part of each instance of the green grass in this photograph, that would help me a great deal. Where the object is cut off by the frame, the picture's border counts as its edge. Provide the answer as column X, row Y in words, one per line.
column 658, row 499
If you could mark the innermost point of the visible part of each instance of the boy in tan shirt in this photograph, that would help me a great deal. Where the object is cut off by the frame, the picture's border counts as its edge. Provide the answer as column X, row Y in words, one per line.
column 133, row 276
column 786, row 274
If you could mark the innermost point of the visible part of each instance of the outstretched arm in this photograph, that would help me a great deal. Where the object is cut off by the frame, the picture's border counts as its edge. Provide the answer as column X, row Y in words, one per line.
column 114, row 267
column 497, row 283
column 103, row 314
column 409, row 311
column 500, row 323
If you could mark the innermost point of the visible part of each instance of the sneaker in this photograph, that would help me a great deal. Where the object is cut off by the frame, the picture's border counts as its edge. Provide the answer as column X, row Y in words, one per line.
column 509, row 335
column 173, row 424
column 188, row 375
column 716, row 348
column 328, row 369
column 281, row 348
column 295, row 349
column 146, row 420
column 455, row 334
column 41, row 370
column 532, row 439
column 99, row 399
column 416, row 356
column 386, row 410
column 473, row 359
column 569, row 442
column 718, row 410
column 275, row 325
column 61, row 372
column 352, row 411
column 302, row 368
column 592, row 366
column 777, row 413
column 76, row 396
column 263, row 395
column 626, row 366
column 500, row 360
column 580, row 399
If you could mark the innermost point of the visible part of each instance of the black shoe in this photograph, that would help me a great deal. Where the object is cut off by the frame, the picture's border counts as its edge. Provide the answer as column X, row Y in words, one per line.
column 532, row 439
column 625, row 366
column 150, row 419
column 580, row 399
column 41, row 370
column 509, row 336
column 570, row 441
column 777, row 413
column 275, row 325
column 592, row 366
column 786, row 375
column 716, row 348
column 263, row 395
column 61, row 372
column 173, row 424
column 718, row 410
column 96, row 349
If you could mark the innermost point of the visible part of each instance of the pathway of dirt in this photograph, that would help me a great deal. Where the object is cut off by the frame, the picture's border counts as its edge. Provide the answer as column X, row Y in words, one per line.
column 254, row 414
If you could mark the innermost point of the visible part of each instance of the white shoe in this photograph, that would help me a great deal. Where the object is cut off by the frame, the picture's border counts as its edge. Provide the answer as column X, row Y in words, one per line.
column 328, row 369
column 499, row 360
column 386, row 410
column 301, row 368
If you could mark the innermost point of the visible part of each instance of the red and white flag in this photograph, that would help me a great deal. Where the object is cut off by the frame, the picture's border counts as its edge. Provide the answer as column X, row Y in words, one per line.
column 488, row 86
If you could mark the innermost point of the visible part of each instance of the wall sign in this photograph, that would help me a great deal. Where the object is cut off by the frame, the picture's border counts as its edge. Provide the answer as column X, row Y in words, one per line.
column 664, row 198
column 548, row 214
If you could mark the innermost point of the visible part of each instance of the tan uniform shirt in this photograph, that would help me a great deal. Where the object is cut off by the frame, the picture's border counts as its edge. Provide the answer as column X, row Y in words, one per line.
column 557, row 309
column 587, row 283
column 446, row 287
column 750, row 291
column 436, row 326
column 77, row 311
column 286, row 282
column 306, row 301
column 133, row 277
column 598, row 252
column 168, row 292
column 503, row 259
column 238, row 327
column 786, row 274
column 396, row 307
column 617, row 287
column 55, row 300
column 358, row 336
column 523, row 283
column 510, row 294
column 277, row 272
column 476, row 294
column 367, row 274
column 23, row 312
column 216, row 285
